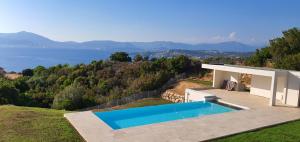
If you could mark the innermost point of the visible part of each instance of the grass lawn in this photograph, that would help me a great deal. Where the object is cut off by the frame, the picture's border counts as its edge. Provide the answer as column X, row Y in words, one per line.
column 26, row 124
column 289, row 132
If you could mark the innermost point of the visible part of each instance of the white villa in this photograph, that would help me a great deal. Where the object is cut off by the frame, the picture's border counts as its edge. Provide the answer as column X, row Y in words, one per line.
column 283, row 85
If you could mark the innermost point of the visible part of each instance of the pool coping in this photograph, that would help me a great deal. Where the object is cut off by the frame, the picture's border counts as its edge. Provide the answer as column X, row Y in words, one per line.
column 220, row 103
column 93, row 129
column 86, row 122
column 232, row 104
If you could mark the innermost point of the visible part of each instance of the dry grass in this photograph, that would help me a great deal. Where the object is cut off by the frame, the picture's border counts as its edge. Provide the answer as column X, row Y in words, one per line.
column 180, row 87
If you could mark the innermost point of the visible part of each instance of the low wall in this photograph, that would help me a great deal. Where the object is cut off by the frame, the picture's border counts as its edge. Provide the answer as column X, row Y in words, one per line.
column 172, row 96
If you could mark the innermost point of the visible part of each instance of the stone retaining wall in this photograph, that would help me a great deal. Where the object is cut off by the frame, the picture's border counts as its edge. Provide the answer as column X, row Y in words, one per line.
column 172, row 96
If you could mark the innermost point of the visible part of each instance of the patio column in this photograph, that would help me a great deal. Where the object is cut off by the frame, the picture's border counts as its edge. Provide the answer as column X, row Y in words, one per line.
column 273, row 89
column 217, row 78
column 214, row 79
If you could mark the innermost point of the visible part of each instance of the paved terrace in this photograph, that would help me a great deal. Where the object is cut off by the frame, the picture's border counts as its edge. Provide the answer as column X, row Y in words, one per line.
column 203, row 128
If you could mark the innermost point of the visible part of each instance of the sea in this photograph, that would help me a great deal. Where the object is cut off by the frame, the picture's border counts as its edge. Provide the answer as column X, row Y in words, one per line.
column 18, row 59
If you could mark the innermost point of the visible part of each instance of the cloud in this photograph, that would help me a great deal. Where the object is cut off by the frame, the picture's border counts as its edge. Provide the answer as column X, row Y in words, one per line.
column 219, row 38
column 232, row 36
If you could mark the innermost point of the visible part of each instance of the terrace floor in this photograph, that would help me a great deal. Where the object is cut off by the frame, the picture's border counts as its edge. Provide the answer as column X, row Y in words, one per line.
column 202, row 128
column 242, row 98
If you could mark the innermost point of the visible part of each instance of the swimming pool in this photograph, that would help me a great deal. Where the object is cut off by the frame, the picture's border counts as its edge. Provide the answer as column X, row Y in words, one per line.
column 126, row 118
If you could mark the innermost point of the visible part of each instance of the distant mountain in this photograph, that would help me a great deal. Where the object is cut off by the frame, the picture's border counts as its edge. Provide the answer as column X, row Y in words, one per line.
column 31, row 40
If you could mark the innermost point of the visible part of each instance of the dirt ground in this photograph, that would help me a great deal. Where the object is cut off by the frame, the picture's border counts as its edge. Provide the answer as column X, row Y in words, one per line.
column 180, row 87
column 12, row 76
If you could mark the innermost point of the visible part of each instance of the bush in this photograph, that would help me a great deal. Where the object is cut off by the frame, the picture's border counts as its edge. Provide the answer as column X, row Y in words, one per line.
column 8, row 92
column 290, row 62
column 179, row 64
column 70, row 98
column 120, row 56
column 138, row 58
column 27, row 72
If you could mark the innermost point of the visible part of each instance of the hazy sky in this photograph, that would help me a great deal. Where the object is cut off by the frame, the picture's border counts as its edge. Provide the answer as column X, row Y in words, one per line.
column 192, row 21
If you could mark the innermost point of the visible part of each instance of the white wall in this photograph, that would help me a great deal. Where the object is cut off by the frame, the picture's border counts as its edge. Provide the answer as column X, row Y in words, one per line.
column 281, row 86
column 220, row 76
column 292, row 97
column 261, row 86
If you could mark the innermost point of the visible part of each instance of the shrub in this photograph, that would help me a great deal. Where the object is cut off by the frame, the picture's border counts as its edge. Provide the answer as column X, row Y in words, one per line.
column 138, row 58
column 120, row 56
column 290, row 62
column 27, row 72
column 8, row 92
column 70, row 98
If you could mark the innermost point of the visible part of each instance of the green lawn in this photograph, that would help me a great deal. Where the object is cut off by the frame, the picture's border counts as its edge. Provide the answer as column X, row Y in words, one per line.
column 25, row 124
column 28, row 124
column 289, row 132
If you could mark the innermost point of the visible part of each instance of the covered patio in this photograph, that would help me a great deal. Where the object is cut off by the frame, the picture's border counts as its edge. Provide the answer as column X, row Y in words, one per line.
column 241, row 98
column 275, row 87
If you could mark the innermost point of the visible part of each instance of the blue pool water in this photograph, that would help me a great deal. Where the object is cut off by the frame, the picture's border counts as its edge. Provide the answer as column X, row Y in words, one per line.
column 119, row 119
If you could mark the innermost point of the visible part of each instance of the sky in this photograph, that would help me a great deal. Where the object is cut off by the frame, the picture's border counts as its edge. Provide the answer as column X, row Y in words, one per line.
column 189, row 21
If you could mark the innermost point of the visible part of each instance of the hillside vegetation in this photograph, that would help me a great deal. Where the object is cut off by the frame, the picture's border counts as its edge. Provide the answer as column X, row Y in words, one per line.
column 282, row 52
column 84, row 85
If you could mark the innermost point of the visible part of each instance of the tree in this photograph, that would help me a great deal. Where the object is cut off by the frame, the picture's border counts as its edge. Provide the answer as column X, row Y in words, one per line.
column 290, row 62
column 39, row 70
column 120, row 56
column 27, row 72
column 179, row 64
column 286, row 50
column 283, row 52
column 138, row 57
column 287, row 45
column 259, row 59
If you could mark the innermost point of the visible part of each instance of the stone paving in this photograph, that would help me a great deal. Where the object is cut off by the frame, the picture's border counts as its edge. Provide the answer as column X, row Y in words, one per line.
column 197, row 129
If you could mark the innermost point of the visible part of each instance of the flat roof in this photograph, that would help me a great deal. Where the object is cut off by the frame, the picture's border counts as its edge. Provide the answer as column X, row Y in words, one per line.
column 246, row 69
column 258, row 68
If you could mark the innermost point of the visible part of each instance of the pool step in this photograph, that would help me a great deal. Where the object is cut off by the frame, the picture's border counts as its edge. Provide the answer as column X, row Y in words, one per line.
column 192, row 95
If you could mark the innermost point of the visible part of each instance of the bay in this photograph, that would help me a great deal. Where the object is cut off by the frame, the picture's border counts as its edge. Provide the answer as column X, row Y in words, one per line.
column 17, row 59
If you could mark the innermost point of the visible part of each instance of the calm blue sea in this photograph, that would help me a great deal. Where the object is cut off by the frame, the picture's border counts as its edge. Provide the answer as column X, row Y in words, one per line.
column 17, row 59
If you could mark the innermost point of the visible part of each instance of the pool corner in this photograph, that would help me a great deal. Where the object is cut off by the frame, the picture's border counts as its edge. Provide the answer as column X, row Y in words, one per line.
column 89, row 126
